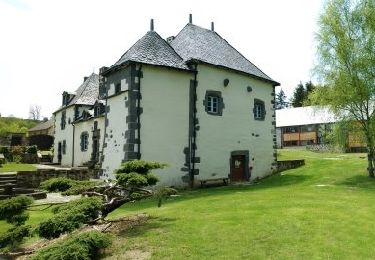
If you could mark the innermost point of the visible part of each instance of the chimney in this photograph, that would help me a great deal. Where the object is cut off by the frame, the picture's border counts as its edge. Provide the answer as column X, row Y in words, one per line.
column 151, row 24
column 190, row 18
column 212, row 26
column 85, row 78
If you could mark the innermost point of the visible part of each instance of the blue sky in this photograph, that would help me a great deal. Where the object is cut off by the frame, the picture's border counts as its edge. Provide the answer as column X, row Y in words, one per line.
column 48, row 46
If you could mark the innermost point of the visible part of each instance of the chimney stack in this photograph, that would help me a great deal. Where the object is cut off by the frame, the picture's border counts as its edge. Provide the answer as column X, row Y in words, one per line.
column 190, row 18
column 212, row 26
column 151, row 24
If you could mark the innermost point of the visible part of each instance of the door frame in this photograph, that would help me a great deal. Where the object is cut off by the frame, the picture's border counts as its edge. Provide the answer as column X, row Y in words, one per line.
column 244, row 153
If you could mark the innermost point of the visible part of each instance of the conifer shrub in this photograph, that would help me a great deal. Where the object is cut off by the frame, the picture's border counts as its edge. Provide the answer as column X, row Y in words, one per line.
column 70, row 216
column 66, row 186
column 13, row 211
column 84, row 246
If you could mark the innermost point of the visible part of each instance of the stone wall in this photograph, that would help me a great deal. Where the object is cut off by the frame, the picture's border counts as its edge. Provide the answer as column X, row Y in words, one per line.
column 289, row 164
column 32, row 179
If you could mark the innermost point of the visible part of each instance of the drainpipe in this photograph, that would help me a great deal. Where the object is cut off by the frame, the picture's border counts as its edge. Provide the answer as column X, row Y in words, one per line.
column 74, row 129
column 138, row 111
column 192, row 143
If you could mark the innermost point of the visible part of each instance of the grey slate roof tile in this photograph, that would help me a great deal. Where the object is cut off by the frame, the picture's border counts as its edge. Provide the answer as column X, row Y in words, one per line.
column 88, row 92
column 196, row 43
column 154, row 50
column 43, row 125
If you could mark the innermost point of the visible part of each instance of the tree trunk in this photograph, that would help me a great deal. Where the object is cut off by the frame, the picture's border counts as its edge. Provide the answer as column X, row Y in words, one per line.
column 370, row 158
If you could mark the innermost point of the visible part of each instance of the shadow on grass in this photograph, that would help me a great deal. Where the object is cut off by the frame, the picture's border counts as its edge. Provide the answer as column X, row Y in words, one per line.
column 359, row 181
column 152, row 223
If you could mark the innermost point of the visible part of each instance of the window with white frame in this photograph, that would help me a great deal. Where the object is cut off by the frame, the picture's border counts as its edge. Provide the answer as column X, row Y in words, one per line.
column 213, row 103
column 259, row 109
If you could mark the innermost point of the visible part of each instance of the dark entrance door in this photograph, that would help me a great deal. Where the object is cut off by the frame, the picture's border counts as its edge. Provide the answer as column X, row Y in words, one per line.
column 238, row 168
column 59, row 152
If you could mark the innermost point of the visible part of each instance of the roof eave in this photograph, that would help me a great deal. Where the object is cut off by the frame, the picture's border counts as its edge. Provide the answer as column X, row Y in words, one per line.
column 274, row 83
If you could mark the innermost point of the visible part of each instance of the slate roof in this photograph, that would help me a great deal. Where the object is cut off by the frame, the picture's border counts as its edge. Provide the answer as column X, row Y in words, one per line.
column 43, row 125
column 154, row 50
column 303, row 116
column 196, row 43
column 88, row 92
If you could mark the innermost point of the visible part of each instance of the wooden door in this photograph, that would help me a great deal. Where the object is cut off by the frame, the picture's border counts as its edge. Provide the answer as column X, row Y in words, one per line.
column 238, row 168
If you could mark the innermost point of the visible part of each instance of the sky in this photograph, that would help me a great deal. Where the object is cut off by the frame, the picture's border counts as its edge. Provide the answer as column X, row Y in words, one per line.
column 48, row 46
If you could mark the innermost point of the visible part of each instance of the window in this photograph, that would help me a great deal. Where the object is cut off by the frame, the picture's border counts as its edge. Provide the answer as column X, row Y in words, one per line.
column 259, row 110
column 213, row 103
column 84, row 141
column 64, row 147
column 63, row 120
column 118, row 88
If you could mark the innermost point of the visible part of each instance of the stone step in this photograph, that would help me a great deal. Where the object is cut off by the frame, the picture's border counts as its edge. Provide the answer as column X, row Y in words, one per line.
column 8, row 175
column 7, row 181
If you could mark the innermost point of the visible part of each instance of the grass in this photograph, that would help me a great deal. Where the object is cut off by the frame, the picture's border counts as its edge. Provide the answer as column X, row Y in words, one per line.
column 13, row 167
column 324, row 210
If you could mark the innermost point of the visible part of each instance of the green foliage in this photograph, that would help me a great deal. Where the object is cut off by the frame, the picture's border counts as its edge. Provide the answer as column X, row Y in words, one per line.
column 15, row 125
column 140, row 166
column 164, row 193
column 301, row 93
column 346, row 62
column 33, row 149
column 70, row 216
column 280, row 100
column 66, row 186
column 84, row 246
column 5, row 151
column 13, row 210
column 14, row 236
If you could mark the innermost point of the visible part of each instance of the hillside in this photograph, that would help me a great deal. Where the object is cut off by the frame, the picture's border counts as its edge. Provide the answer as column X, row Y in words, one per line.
column 15, row 125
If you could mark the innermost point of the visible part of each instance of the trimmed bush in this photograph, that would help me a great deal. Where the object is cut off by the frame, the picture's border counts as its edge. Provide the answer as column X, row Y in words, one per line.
column 84, row 246
column 70, row 216
column 14, row 236
column 12, row 210
column 67, row 186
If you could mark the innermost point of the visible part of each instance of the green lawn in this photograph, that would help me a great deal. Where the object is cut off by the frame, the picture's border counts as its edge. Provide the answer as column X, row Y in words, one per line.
column 13, row 167
column 324, row 210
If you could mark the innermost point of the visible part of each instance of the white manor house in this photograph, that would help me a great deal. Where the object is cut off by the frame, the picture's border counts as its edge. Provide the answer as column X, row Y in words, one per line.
column 191, row 101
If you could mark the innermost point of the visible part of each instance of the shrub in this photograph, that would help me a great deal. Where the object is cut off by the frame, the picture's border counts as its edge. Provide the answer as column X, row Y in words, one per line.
column 5, row 151
column 70, row 216
column 84, row 246
column 14, row 236
column 140, row 166
column 33, row 149
column 57, row 184
column 67, row 186
column 12, row 210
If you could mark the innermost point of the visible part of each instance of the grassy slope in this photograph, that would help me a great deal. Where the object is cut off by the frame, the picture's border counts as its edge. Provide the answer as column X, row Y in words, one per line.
column 15, row 125
column 290, row 216
column 13, row 167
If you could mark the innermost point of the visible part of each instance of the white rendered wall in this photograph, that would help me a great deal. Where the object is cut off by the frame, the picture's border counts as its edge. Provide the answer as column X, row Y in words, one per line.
column 81, row 157
column 236, row 129
column 64, row 134
column 115, row 139
column 165, row 120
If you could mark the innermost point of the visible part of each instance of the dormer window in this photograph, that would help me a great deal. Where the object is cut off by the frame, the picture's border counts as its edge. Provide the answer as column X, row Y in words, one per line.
column 98, row 109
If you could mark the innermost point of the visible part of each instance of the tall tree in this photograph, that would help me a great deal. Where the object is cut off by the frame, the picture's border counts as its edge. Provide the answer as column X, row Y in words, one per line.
column 346, row 65
column 298, row 95
column 35, row 112
column 280, row 100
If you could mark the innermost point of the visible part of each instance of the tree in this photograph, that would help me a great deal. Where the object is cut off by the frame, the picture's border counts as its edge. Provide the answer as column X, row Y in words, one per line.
column 298, row 95
column 35, row 112
column 280, row 100
column 301, row 94
column 346, row 65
